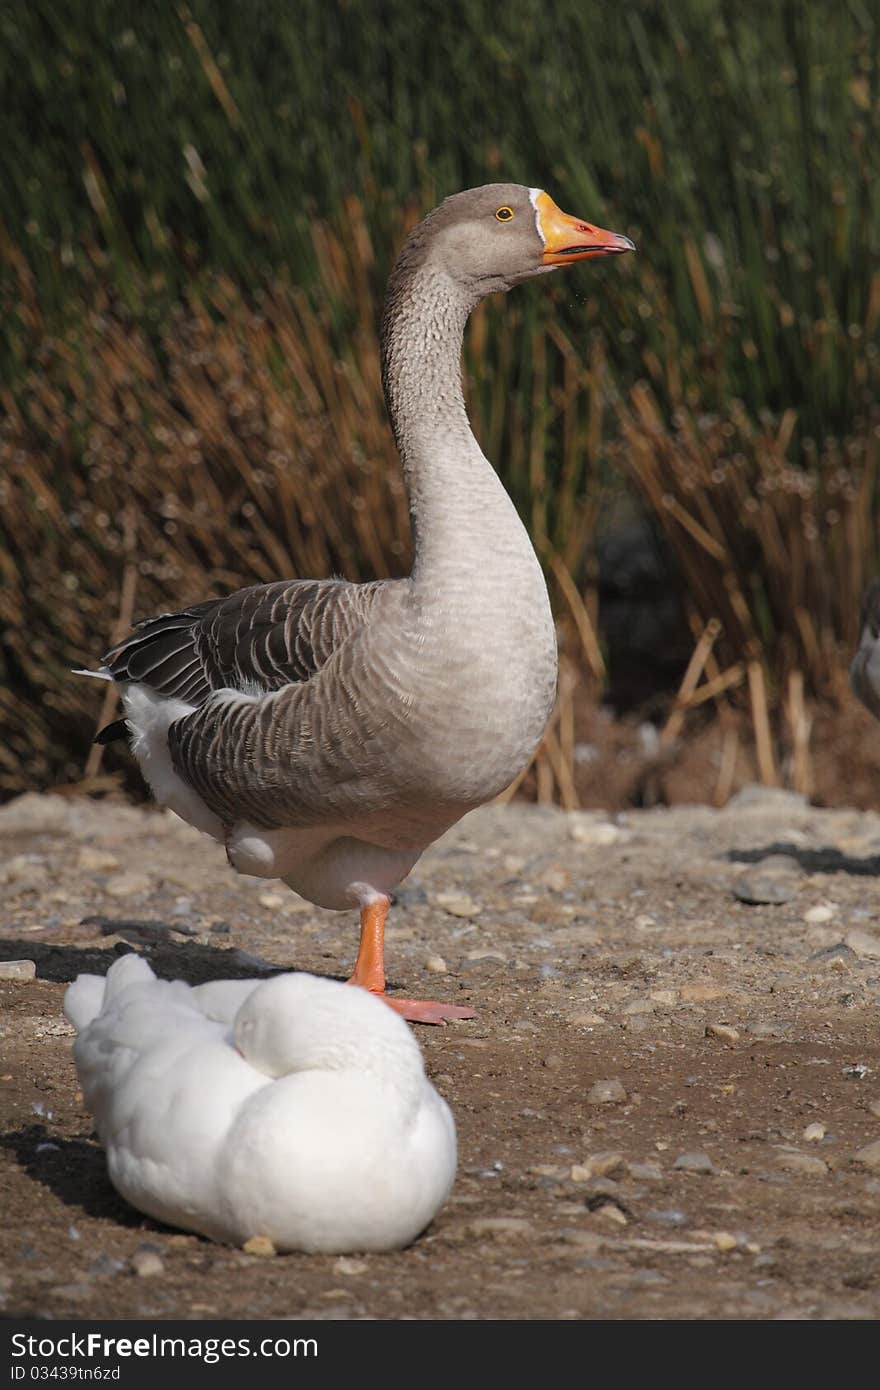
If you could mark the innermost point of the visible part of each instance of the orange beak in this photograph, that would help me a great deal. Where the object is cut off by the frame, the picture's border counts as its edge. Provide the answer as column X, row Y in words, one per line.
column 567, row 239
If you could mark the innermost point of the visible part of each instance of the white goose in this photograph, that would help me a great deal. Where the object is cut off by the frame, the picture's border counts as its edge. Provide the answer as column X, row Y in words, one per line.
column 291, row 1108
column 328, row 732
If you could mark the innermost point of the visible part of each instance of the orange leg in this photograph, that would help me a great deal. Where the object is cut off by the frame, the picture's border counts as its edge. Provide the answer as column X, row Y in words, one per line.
column 369, row 971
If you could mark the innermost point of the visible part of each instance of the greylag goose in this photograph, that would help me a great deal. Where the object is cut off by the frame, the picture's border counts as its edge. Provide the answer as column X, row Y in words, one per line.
column 864, row 673
column 293, row 1108
column 327, row 732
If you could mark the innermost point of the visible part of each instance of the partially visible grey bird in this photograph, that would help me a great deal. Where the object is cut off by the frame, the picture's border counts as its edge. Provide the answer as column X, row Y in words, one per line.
column 864, row 673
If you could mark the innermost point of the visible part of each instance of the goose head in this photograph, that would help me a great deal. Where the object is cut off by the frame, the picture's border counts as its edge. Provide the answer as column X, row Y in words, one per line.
column 491, row 238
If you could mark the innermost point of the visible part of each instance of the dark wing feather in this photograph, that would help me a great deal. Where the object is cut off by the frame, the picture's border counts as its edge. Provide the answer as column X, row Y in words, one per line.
column 263, row 637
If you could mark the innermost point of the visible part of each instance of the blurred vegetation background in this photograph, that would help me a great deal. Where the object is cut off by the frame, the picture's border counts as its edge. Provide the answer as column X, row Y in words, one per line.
column 200, row 207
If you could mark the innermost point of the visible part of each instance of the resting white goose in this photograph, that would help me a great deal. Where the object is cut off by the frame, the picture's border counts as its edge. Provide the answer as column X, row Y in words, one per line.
column 292, row 1108
column 864, row 673
column 328, row 732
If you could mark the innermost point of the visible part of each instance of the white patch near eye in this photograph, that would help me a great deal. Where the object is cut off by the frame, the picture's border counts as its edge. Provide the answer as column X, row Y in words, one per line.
column 534, row 195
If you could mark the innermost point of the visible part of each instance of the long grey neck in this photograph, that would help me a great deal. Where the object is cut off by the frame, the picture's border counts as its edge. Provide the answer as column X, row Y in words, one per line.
column 462, row 518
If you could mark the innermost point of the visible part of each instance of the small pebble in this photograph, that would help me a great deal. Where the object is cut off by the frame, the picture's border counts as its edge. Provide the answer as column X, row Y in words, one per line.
column 638, row 1006
column 645, row 1172
column 610, row 1092
column 457, row 905
column 874, row 1107
column 814, row 1133
column 436, row 964
column 822, row 912
column 17, row 970
column 259, row 1245
column 270, row 900
column 807, row 1164
column 352, row 1268
column 96, row 861
column 611, row 1212
column 725, row 1242
column 723, row 1032
column 72, row 1293
column 499, row 1227
column 586, row 830
column 607, row 1164
column 864, row 943
column 699, row 991
column 586, row 1020
column 668, row 1216
column 694, row 1163
column 869, row 1156
column 127, row 885
column 146, row 1264
column 837, row 956
column 760, row 885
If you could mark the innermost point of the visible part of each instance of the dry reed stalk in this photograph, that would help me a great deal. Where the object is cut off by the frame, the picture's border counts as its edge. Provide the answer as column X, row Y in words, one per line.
column 761, row 724
column 585, row 629
column 800, row 725
column 727, row 764
column 689, row 681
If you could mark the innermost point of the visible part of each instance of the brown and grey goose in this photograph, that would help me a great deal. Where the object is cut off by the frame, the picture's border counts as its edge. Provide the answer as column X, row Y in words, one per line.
column 328, row 732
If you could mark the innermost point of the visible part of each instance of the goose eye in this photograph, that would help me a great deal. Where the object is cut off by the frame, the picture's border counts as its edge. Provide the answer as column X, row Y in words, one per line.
column 504, row 214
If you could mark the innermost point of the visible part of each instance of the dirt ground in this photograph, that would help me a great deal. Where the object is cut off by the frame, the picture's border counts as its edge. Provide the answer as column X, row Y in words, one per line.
column 668, row 1107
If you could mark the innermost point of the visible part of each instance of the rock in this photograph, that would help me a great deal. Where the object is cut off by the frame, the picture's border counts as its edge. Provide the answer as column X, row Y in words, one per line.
column 147, row 1264
column 271, row 900
column 645, row 1172
column 72, row 1293
column 127, row 885
column 607, row 1164
column 593, row 831
column 349, row 1267
column 774, row 880
column 586, row 1020
column 668, row 1216
column 700, row 991
column 499, row 1228
column 822, row 912
column 874, row 1107
column 96, row 861
column 259, row 1245
column 837, row 956
column 585, row 1241
column 436, row 964
column 760, row 801
column 610, row 1092
column 806, row 1164
column 864, row 943
column 814, row 1133
column 723, row 1032
column 457, row 904
column 696, row 1162
column 638, row 1006
column 599, row 1165
column 725, row 1242
column 666, row 997
column 869, row 1156
column 18, row 970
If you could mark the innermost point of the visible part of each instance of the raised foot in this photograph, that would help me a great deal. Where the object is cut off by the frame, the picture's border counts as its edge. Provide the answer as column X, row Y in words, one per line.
column 426, row 1010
